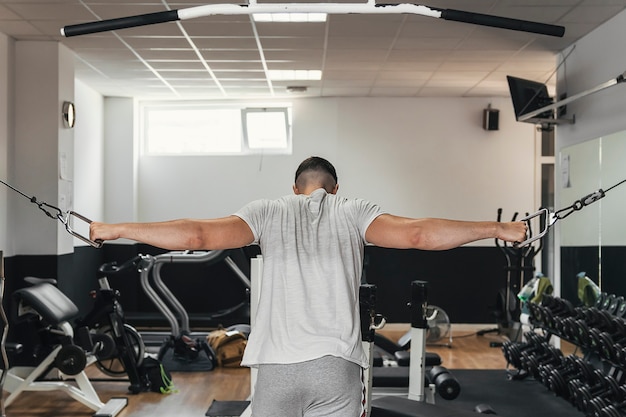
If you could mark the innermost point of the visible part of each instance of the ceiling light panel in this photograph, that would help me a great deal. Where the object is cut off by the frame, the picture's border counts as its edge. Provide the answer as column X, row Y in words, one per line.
column 290, row 17
column 300, row 75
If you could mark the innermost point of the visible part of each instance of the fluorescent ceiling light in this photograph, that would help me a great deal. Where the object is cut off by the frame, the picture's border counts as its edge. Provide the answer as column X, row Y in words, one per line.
column 290, row 17
column 303, row 75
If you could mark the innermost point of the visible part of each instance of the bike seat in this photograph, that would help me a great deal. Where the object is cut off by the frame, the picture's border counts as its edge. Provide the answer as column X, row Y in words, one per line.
column 48, row 301
column 36, row 280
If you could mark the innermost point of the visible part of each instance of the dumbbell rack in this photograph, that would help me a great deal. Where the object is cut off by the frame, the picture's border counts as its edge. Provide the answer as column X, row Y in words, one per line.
column 594, row 383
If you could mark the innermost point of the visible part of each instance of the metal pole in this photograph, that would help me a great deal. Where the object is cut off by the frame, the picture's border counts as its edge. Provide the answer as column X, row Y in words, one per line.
column 610, row 83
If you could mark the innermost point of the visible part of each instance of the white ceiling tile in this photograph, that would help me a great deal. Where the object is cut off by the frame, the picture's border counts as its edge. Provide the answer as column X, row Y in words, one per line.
column 7, row 14
column 406, row 91
column 20, row 29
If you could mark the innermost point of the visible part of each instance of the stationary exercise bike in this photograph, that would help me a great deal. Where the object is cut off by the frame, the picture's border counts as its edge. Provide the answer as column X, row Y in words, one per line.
column 117, row 347
column 122, row 348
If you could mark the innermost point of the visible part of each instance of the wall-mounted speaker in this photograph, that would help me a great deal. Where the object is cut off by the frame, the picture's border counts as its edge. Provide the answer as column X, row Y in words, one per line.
column 490, row 119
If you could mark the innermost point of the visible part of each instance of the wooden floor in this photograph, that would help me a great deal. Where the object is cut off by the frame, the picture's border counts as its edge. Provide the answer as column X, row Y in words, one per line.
column 197, row 390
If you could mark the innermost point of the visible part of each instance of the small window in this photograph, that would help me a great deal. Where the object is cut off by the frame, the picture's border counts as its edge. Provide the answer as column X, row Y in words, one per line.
column 266, row 128
column 203, row 129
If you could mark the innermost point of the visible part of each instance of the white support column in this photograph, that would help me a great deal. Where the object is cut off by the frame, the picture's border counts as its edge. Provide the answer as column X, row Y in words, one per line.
column 256, row 274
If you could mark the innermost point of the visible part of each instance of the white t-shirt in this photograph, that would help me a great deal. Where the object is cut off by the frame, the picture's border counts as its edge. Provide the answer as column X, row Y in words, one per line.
column 312, row 249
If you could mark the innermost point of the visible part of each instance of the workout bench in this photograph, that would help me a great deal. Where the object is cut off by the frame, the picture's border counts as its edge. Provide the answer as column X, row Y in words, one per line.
column 54, row 310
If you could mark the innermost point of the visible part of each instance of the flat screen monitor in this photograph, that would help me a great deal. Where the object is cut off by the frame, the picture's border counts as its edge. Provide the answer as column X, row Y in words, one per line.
column 529, row 96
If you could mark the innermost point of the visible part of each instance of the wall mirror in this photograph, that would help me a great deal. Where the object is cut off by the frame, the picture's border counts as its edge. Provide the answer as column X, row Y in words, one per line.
column 593, row 239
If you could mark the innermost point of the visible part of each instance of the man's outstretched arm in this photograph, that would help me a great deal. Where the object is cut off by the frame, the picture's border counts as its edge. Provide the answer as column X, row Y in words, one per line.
column 184, row 234
column 391, row 231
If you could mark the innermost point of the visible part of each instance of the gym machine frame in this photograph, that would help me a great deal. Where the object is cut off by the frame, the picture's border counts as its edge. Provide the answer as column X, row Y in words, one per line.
column 252, row 7
column 546, row 123
column 167, row 297
column 167, row 303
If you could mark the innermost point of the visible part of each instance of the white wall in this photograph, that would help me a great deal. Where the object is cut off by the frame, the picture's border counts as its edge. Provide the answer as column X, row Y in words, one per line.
column 43, row 148
column 415, row 157
column 89, row 155
column 120, row 197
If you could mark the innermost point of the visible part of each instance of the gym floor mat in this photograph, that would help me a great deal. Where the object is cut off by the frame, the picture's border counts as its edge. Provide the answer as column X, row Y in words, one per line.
column 226, row 408
column 508, row 398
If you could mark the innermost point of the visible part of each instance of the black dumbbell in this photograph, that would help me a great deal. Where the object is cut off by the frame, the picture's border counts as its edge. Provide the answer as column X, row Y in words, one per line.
column 590, row 314
column 621, row 307
column 608, row 343
column 538, row 314
column 605, row 387
column 570, row 329
column 597, row 404
column 513, row 350
column 544, row 370
column 566, row 365
column 581, row 328
column 608, row 410
column 615, row 327
column 445, row 383
column 555, row 306
column 608, row 300
column 574, row 368
column 615, row 305
column 560, row 325
column 531, row 362
column 600, row 300
column 535, row 313
column 620, row 355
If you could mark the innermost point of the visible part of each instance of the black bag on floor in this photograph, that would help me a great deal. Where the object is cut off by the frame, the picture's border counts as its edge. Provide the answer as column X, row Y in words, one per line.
column 160, row 380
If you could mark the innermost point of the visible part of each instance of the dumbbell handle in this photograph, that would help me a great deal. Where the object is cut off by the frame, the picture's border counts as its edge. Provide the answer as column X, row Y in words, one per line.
column 562, row 305
column 613, row 409
column 567, row 368
column 584, row 393
column 547, row 353
column 520, row 349
column 560, row 384
column 531, row 364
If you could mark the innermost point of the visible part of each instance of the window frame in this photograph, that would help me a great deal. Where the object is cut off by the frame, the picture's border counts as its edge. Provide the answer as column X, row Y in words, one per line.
column 243, row 108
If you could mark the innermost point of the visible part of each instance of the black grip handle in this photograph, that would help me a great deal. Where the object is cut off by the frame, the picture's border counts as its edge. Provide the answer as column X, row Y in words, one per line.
column 120, row 23
column 502, row 22
column 112, row 267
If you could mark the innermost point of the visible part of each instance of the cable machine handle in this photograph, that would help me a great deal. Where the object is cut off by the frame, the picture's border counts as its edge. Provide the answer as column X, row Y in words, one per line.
column 548, row 222
column 68, row 226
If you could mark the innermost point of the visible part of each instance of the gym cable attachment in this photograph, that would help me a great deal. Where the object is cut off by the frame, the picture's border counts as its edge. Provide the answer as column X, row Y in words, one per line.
column 56, row 213
column 551, row 218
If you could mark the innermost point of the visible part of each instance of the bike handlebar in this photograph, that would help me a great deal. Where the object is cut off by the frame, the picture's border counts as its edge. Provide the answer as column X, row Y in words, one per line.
column 113, row 268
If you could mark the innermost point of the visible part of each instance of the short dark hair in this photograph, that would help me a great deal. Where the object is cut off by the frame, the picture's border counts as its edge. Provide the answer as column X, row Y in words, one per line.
column 317, row 164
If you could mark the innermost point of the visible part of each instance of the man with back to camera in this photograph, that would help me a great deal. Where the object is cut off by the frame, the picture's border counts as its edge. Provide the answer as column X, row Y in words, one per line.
column 306, row 342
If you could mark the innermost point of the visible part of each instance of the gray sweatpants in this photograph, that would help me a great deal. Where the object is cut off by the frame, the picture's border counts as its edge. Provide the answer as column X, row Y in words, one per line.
column 325, row 387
